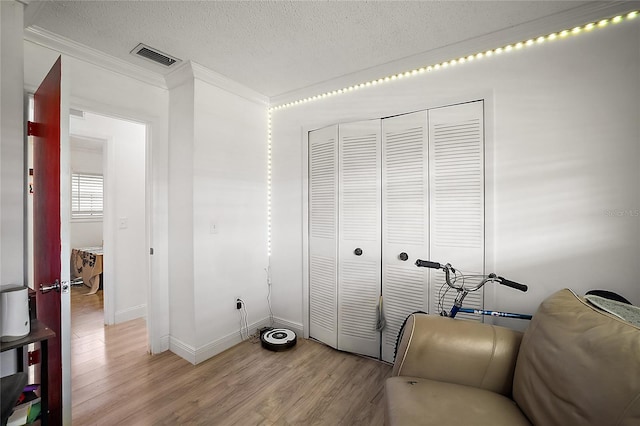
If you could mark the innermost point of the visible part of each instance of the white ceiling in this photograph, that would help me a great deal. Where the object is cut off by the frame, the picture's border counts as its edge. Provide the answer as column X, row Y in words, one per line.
column 275, row 47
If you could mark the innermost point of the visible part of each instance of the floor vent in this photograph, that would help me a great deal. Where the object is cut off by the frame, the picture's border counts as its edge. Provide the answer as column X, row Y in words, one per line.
column 154, row 55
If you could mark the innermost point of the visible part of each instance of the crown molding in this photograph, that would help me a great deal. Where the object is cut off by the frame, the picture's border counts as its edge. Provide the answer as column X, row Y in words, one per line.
column 577, row 16
column 53, row 41
column 190, row 70
column 208, row 76
column 185, row 71
column 179, row 76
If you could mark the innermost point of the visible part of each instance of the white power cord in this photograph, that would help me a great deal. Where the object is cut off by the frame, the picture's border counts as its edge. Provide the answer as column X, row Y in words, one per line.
column 268, row 271
column 244, row 324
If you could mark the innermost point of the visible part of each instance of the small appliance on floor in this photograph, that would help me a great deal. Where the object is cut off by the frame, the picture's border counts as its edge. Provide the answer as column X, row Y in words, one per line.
column 278, row 339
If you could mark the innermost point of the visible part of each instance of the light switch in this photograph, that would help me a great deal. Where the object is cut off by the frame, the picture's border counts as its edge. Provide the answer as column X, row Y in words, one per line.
column 123, row 223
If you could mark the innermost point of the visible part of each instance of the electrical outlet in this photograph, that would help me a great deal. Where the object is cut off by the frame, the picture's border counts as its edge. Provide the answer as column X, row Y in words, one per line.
column 213, row 227
column 123, row 223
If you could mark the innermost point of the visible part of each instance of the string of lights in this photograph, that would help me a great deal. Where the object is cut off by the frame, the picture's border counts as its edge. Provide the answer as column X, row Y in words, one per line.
column 428, row 69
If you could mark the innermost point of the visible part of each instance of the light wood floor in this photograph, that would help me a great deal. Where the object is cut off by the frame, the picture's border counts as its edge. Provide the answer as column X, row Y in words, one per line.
column 115, row 381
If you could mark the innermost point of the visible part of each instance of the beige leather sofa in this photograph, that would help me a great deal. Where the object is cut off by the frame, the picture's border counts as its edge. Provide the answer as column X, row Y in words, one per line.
column 574, row 365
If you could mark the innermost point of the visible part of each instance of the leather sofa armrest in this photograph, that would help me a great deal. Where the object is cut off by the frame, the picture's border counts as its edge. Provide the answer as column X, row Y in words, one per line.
column 458, row 351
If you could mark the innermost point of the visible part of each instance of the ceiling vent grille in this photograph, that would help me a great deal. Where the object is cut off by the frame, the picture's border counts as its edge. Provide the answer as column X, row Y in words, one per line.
column 154, row 55
column 76, row 113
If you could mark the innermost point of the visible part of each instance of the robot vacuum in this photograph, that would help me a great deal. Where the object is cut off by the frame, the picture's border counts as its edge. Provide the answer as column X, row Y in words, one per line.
column 278, row 339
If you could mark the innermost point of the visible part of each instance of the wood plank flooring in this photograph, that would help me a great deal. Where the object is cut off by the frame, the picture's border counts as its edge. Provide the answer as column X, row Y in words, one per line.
column 116, row 382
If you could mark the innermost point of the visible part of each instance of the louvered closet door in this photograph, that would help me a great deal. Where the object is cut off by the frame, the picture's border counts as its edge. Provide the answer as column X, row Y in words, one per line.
column 456, row 135
column 405, row 222
column 323, row 230
column 359, row 237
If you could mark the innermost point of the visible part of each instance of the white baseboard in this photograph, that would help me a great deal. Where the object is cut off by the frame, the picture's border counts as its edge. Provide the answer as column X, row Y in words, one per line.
column 183, row 350
column 135, row 312
column 162, row 346
column 203, row 353
column 164, row 343
column 293, row 326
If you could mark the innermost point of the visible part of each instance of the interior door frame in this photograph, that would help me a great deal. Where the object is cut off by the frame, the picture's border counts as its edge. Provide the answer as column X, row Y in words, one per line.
column 157, row 333
column 109, row 226
column 156, row 200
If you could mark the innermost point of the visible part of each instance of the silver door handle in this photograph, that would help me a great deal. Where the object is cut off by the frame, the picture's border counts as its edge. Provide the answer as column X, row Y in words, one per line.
column 55, row 286
column 46, row 289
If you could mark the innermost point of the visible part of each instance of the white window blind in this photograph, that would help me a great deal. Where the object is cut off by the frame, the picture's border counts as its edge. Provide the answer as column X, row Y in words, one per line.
column 86, row 196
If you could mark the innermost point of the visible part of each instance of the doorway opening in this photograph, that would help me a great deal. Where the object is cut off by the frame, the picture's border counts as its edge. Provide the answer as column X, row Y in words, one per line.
column 112, row 150
column 109, row 234
column 124, row 274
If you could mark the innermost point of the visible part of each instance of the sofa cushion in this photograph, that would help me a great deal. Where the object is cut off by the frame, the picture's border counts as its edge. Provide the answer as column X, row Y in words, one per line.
column 578, row 366
column 417, row 401
column 457, row 351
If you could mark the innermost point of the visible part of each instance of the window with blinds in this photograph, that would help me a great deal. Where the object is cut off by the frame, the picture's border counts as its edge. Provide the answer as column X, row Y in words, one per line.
column 86, row 196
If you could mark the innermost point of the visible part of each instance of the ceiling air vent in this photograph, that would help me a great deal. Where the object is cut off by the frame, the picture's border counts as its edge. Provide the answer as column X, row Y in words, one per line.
column 76, row 113
column 154, row 55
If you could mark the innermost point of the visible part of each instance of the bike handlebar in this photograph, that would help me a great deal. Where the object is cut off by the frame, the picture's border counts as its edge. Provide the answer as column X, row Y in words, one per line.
column 491, row 277
column 428, row 264
column 513, row 284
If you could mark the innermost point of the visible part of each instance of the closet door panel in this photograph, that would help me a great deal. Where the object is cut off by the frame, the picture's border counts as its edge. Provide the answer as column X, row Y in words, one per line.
column 323, row 231
column 456, row 136
column 405, row 222
column 359, row 237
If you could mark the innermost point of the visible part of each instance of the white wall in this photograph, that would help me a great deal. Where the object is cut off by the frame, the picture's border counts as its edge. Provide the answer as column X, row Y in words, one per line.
column 12, row 183
column 230, row 192
column 217, row 214
column 181, row 276
column 85, row 232
column 12, row 168
column 126, row 271
column 563, row 151
column 102, row 91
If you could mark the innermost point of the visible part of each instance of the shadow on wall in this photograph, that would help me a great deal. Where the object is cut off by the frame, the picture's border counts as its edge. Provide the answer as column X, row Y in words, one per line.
column 567, row 218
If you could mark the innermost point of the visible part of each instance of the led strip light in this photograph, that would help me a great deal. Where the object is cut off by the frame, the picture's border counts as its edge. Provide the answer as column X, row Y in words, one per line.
column 269, row 156
column 418, row 71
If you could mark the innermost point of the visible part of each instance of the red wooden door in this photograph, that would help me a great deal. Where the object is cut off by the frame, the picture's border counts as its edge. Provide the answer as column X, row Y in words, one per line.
column 48, row 228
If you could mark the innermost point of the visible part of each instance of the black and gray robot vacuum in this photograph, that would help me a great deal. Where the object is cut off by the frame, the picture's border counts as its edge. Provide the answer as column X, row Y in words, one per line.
column 278, row 339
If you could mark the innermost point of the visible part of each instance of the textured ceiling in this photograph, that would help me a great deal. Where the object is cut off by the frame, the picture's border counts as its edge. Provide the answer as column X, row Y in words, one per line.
column 278, row 47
